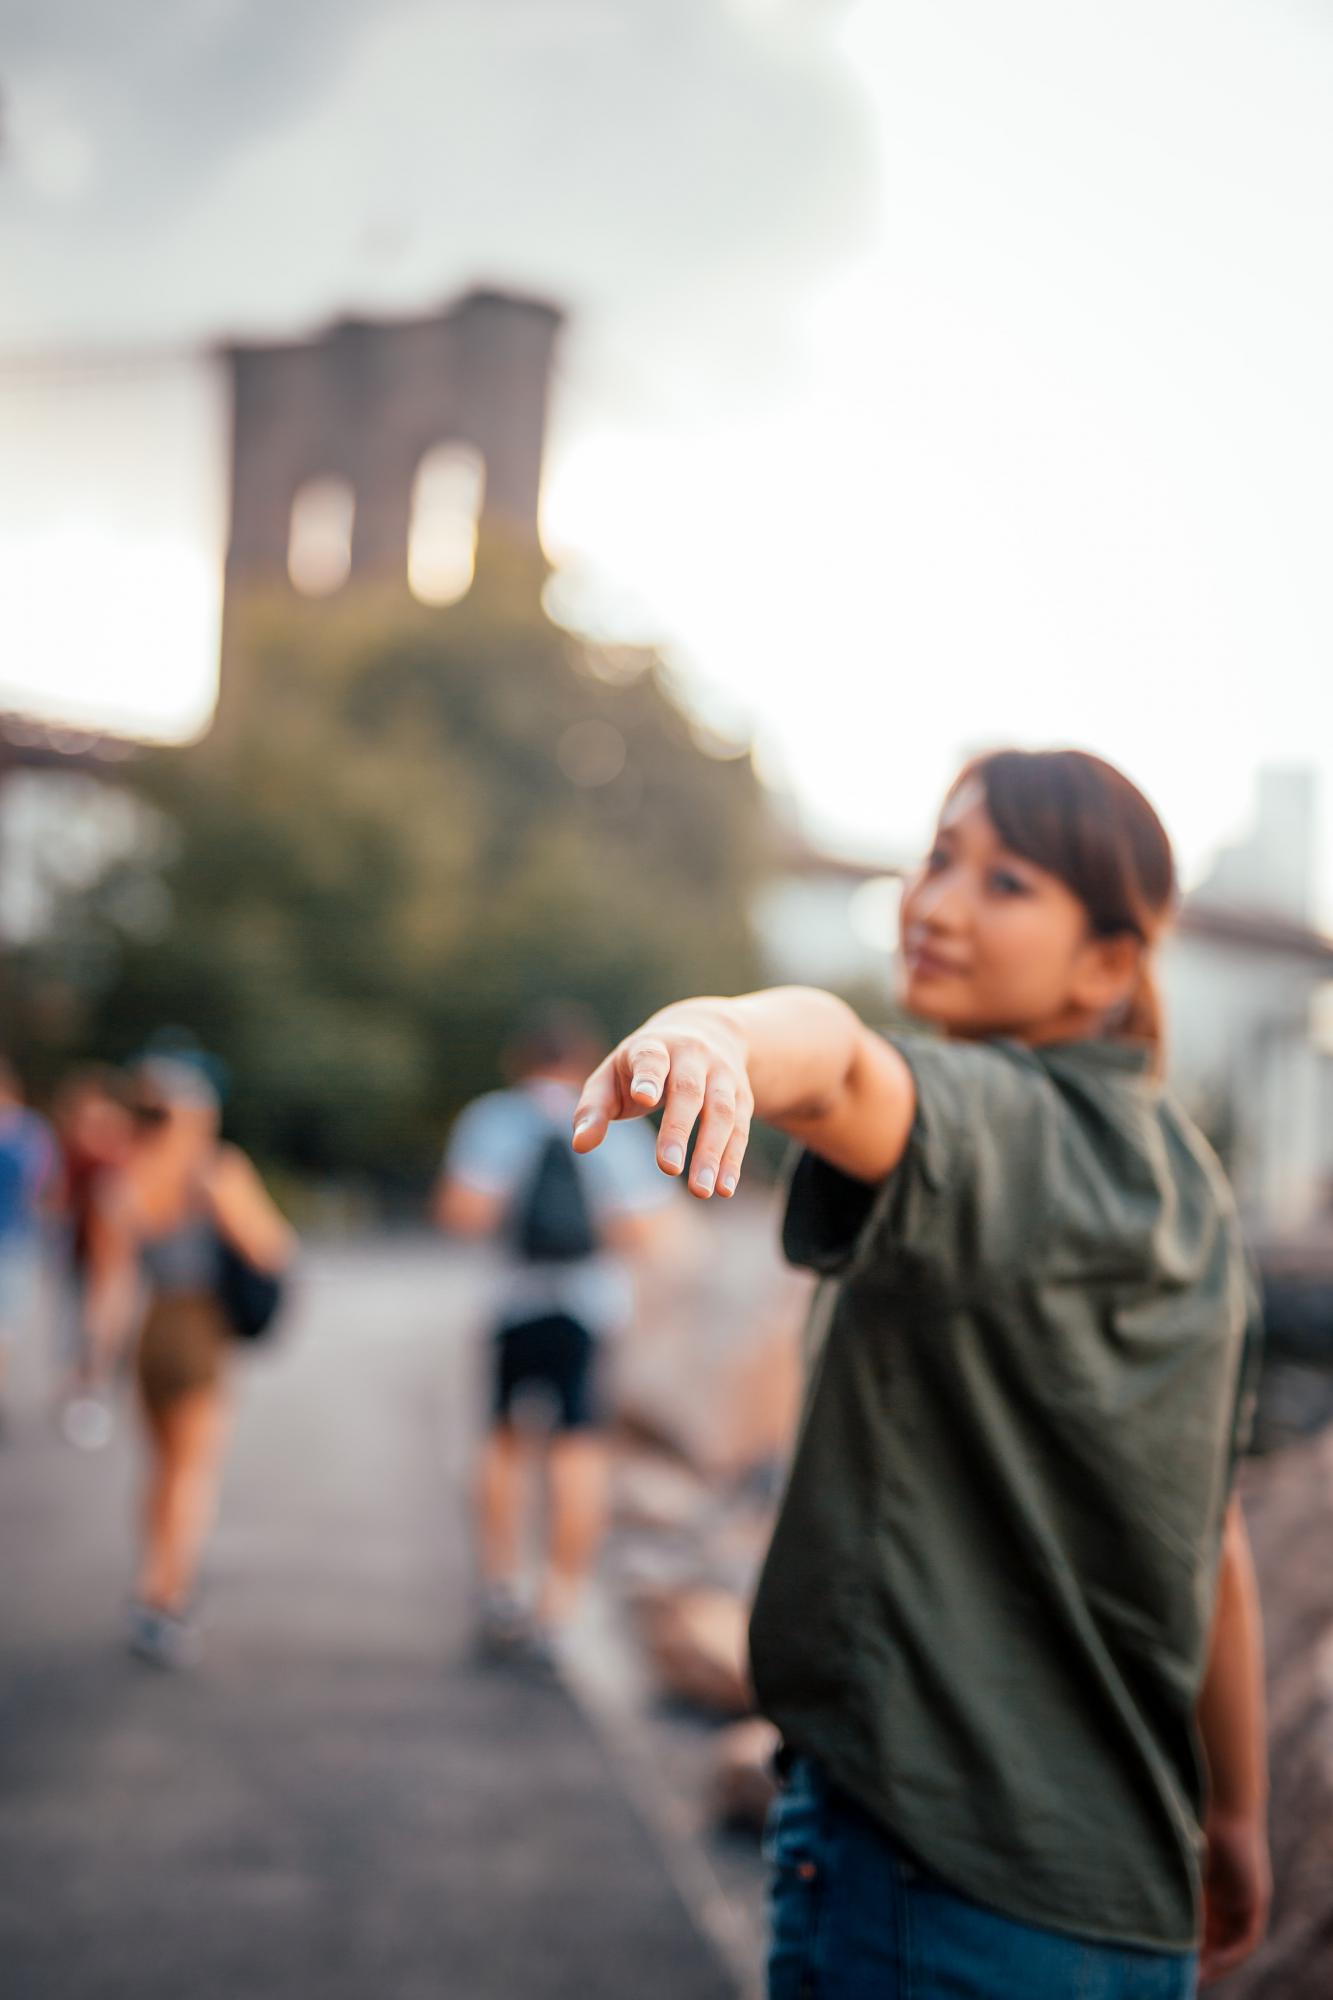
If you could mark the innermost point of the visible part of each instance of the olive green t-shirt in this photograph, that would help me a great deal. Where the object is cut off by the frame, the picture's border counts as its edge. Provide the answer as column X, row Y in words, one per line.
column 987, row 1602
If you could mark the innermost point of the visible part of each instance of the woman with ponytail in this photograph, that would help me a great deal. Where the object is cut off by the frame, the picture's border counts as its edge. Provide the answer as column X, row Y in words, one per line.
column 1007, row 1625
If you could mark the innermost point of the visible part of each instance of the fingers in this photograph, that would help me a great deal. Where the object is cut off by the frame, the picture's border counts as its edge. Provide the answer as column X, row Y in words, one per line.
column 1217, row 1961
column 1221, row 1959
column 599, row 1103
column 721, row 1106
column 729, row 1170
column 693, row 1088
column 720, row 1146
column 682, row 1103
column 645, row 1066
column 626, row 1085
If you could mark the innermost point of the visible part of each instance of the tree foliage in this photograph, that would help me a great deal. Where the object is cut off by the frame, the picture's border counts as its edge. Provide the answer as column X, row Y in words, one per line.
column 407, row 827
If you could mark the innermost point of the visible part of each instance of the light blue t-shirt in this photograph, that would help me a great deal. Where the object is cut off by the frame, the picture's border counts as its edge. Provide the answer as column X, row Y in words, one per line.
column 494, row 1148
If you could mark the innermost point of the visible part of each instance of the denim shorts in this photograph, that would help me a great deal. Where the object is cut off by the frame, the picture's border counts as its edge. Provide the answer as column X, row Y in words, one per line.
column 851, row 1918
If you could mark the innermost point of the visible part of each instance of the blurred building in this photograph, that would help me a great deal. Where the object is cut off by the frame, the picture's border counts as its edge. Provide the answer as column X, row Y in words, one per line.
column 344, row 446
column 828, row 920
column 392, row 452
column 396, row 453
column 1248, row 979
column 1249, row 986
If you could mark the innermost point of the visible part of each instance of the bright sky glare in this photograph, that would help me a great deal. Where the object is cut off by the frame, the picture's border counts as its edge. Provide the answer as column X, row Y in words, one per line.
column 1038, row 449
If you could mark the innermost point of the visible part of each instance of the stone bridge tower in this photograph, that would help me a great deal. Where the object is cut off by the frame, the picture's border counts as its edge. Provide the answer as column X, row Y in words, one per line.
column 336, row 440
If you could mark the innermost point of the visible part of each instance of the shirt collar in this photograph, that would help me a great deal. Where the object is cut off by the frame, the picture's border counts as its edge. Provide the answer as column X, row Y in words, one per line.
column 1097, row 1052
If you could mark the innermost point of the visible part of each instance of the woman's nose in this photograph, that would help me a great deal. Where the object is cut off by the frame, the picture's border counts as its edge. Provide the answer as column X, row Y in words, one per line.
column 942, row 902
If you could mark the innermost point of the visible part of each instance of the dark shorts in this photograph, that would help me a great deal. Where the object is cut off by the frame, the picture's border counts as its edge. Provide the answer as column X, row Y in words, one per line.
column 554, row 1356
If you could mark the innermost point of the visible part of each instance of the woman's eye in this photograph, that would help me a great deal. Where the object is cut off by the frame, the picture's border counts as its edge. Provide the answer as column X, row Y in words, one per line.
column 937, row 858
column 1006, row 883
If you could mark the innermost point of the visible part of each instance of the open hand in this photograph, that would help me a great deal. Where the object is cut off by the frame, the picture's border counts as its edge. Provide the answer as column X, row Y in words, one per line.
column 692, row 1061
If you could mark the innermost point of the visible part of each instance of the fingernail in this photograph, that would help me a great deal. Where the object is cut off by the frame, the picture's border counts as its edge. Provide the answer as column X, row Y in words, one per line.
column 583, row 1125
column 728, row 1183
column 644, row 1086
column 704, row 1181
column 674, row 1156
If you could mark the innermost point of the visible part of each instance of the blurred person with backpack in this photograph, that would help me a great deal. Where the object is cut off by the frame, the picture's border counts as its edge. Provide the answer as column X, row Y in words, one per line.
column 565, row 1234
column 183, row 1227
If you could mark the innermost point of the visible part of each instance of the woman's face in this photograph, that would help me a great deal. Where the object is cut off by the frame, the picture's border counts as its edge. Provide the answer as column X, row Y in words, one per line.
column 994, row 945
column 173, row 1128
column 100, row 1127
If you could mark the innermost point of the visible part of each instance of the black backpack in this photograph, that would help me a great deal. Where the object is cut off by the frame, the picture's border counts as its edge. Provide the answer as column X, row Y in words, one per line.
column 551, row 1222
column 249, row 1297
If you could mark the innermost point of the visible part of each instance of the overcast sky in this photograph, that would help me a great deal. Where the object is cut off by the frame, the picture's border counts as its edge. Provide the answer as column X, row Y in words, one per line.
column 937, row 373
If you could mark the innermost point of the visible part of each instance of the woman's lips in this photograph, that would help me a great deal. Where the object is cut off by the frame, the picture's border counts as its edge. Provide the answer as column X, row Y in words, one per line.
column 925, row 963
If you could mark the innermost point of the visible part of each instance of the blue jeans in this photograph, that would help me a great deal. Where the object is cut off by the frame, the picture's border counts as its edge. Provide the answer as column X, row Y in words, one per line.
column 851, row 1918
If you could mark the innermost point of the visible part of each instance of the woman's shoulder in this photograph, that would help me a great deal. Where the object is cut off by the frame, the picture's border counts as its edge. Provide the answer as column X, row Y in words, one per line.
column 971, row 1184
column 973, row 1094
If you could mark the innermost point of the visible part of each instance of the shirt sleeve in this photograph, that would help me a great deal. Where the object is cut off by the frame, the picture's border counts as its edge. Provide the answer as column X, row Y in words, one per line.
column 980, row 1113
column 489, row 1146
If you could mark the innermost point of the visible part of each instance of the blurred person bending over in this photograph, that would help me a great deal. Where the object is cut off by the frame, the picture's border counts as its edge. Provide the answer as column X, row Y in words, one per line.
column 564, row 1226
column 27, row 1158
column 156, row 1254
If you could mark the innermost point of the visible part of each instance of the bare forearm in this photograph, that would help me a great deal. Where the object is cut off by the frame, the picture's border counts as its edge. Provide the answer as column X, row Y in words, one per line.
column 1231, row 1711
column 461, row 1210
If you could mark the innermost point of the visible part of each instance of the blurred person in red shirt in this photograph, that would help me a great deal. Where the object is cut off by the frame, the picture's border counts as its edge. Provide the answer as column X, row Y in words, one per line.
column 93, row 1130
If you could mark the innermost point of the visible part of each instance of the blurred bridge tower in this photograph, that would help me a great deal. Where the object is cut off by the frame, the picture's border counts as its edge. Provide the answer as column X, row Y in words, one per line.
column 350, row 449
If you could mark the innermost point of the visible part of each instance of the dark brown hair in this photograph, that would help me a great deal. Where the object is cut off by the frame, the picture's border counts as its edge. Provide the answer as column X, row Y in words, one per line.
column 1082, row 820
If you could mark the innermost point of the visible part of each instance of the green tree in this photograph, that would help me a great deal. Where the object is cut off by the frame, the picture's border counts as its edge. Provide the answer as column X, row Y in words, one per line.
column 407, row 827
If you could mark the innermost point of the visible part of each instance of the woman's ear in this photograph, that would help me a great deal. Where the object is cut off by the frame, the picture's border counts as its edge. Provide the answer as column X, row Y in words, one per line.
column 1107, row 971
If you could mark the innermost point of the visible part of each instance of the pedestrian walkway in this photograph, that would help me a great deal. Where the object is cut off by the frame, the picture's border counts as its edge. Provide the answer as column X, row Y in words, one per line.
column 338, row 1803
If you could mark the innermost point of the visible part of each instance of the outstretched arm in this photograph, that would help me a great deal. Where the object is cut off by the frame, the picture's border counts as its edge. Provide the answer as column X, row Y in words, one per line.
column 795, row 1057
column 1232, row 1724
